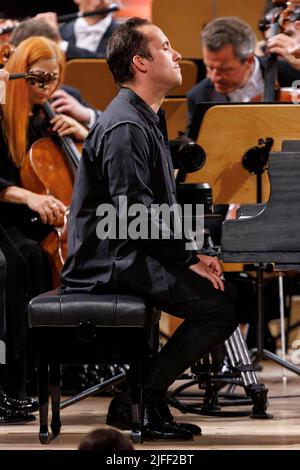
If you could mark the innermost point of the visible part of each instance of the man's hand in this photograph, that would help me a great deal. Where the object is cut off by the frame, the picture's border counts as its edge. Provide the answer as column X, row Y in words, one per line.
column 4, row 75
column 210, row 268
column 286, row 47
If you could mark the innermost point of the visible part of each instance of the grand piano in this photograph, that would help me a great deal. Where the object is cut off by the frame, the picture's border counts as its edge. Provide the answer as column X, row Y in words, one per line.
column 269, row 233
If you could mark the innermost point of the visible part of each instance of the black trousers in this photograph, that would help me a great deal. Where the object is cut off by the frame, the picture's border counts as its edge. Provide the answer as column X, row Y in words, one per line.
column 208, row 322
column 27, row 275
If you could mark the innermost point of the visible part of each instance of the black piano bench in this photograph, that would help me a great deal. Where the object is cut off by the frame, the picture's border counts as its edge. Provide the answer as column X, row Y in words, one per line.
column 90, row 329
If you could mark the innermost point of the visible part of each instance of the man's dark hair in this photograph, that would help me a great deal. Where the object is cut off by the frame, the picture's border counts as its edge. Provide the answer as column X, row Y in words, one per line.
column 126, row 42
column 33, row 27
column 108, row 439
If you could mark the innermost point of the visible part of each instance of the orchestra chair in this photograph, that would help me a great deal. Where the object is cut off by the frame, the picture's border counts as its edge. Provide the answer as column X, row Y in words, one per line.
column 94, row 80
column 87, row 328
column 176, row 116
column 227, row 132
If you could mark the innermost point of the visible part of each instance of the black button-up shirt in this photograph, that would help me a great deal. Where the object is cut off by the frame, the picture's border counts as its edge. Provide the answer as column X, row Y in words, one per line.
column 125, row 154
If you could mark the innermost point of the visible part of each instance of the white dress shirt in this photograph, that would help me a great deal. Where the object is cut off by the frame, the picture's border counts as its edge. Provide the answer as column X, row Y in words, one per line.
column 89, row 36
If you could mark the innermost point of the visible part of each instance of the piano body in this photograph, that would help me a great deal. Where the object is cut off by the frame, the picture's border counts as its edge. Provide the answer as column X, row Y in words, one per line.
column 269, row 233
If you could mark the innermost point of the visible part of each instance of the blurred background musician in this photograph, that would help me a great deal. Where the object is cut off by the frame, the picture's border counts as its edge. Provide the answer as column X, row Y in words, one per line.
column 65, row 99
column 234, row 73
column 88, row 36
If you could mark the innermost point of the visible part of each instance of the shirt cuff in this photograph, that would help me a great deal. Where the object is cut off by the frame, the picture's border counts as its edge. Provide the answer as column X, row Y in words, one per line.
column 64, row 45
column 93, row 117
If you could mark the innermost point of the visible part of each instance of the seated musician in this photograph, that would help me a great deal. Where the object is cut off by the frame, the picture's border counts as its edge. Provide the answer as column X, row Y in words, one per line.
column 234, row 73
column 85, row 37
column 65, row 99
column 22, row 123
column 126, row 155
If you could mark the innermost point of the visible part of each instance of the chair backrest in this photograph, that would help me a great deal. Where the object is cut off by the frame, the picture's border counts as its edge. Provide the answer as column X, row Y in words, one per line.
column 176, row 115
column 94, row 80
column 227, row 132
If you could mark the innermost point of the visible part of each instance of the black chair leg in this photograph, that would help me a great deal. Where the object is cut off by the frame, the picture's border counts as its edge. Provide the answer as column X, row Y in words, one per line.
column 55, row 382
column 43, row 393
column 137, row 415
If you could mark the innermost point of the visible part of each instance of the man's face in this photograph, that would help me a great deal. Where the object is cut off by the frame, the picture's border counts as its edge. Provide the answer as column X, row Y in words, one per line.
column 225, row 71
column 164, row 68
column 91, row 5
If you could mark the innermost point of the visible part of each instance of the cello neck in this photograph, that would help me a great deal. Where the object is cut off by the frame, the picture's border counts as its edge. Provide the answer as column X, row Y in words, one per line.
column 66, row 142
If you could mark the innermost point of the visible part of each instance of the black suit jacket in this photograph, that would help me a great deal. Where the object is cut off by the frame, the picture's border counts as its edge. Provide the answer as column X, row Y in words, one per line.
column 73, row 52
column 204, row 91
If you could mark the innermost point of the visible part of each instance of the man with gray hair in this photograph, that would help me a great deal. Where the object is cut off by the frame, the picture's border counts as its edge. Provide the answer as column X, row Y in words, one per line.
column 234, row 73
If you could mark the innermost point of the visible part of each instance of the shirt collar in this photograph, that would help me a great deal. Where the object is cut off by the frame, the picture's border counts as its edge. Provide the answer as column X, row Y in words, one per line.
column 137, row 101
column 100, row 27
column 256, row 74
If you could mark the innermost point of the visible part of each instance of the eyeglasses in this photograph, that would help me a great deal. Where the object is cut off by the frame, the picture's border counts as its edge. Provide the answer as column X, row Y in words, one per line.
column 43, row 78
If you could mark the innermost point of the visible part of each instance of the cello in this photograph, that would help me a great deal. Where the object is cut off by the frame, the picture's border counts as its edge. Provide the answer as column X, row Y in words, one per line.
column 49, row 168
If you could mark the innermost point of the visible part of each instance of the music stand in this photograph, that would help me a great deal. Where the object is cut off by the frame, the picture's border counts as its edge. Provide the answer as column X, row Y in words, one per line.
column 227, row 132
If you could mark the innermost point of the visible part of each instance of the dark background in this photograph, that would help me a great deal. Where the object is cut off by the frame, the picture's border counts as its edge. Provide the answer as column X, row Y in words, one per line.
column 16, row 9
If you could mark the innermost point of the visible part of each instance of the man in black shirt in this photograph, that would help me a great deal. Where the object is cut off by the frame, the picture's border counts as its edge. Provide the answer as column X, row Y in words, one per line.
column 126, row 158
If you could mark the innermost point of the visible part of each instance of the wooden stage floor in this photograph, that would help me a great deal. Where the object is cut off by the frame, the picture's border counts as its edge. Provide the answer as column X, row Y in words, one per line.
column 223, row 433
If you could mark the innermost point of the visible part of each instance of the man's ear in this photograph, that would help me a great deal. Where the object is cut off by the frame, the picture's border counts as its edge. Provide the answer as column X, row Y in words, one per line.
column 139, row 63
column 251, row 59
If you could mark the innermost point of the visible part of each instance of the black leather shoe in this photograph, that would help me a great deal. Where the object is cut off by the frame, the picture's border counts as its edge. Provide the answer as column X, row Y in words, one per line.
column 119, row 416
column 155, row 427
column 28, row 404
column 167, row 415
column 14, row 417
